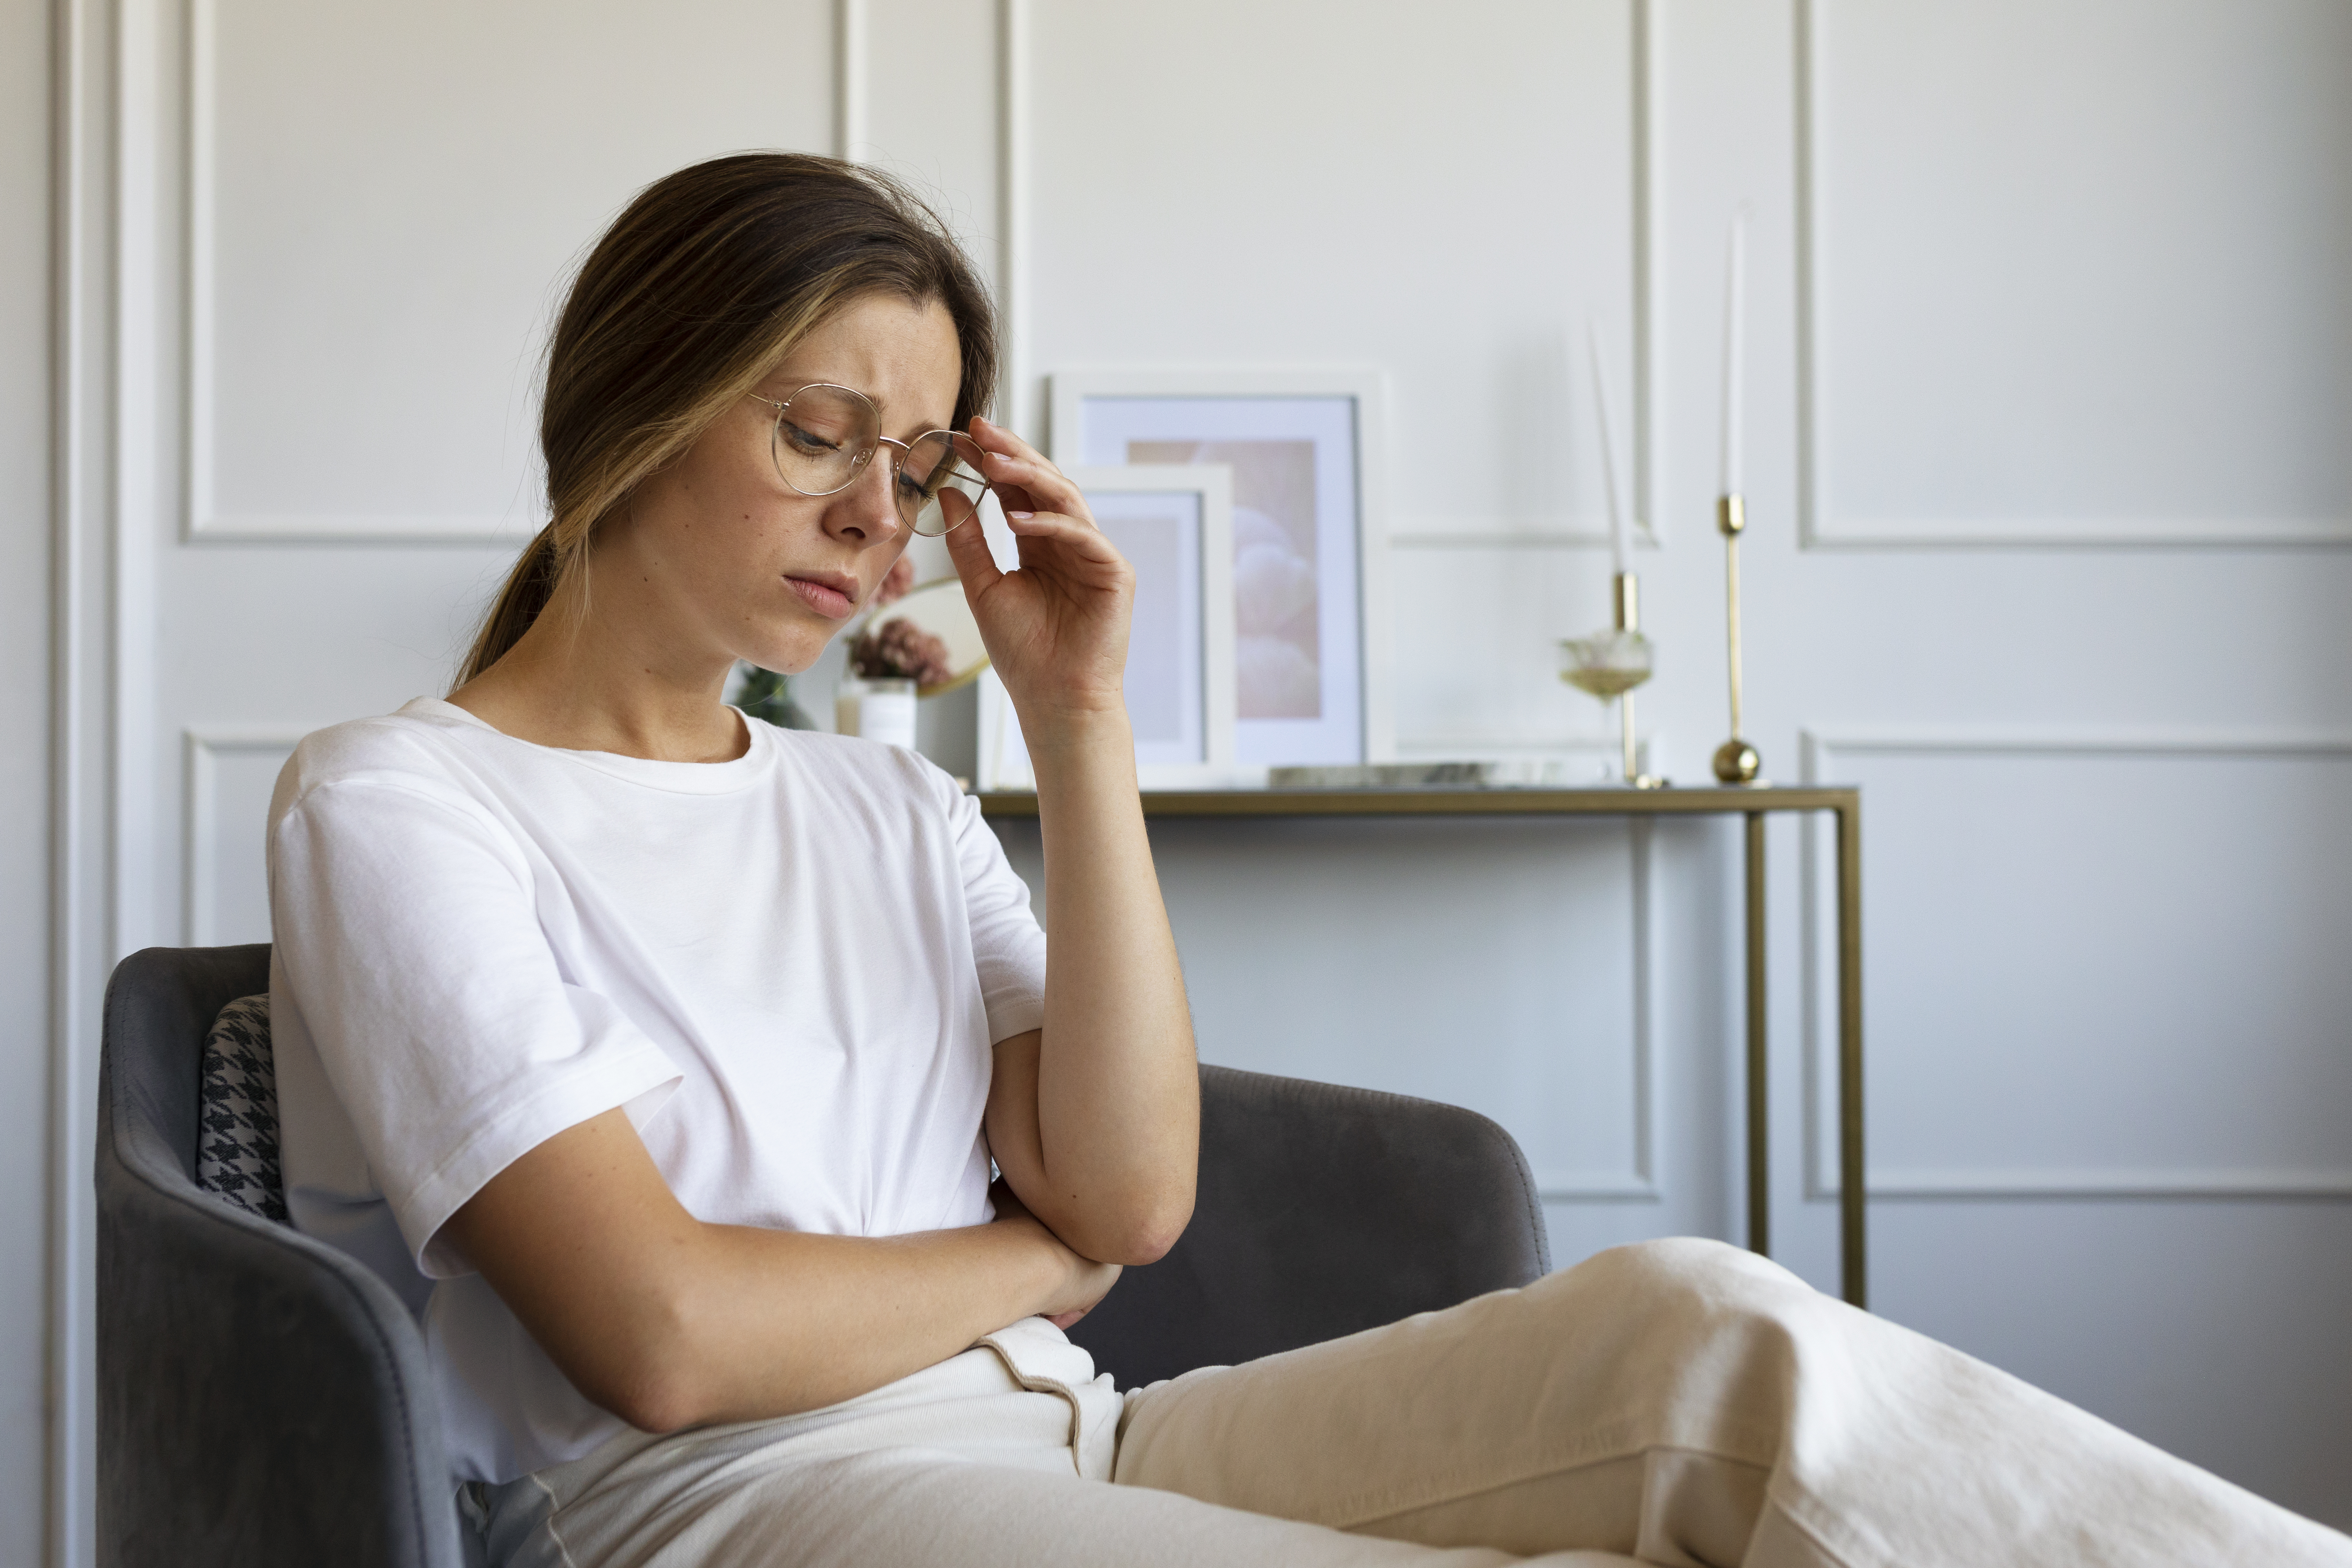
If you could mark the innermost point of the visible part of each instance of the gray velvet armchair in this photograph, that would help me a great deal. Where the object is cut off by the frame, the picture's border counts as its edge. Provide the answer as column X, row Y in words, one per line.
column 263, row 1399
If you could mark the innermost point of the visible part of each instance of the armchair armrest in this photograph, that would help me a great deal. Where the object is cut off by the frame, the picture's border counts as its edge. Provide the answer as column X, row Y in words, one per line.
column 262, row 1399
column 1322, row 1211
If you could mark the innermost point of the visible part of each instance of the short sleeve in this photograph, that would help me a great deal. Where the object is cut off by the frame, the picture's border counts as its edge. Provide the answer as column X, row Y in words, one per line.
column 407, row 929
column 1007, row 944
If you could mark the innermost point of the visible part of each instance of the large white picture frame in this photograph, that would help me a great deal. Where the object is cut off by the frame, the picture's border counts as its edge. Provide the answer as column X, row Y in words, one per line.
column 1174, row 525
column 1310, row 525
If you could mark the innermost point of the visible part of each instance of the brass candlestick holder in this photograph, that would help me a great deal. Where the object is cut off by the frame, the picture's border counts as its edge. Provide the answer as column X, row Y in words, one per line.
column 1735, row 762
column 1610, row 664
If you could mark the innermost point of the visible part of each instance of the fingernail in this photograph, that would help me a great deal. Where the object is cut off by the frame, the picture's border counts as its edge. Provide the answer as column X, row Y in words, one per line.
column 1022, row 516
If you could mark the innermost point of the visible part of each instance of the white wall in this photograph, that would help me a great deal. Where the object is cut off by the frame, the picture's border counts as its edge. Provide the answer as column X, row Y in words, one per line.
column 24, row 766
column 2049, row 505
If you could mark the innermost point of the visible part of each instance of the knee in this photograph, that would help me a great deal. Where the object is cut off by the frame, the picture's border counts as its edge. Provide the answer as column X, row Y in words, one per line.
column 1687, row 1308
column 1685, row 1271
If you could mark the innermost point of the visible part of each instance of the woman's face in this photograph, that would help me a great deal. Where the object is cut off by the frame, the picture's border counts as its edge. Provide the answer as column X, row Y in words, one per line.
column 736, row 564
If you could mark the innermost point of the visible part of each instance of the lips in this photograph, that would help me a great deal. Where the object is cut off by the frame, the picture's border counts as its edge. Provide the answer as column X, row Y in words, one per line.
column 831, row 594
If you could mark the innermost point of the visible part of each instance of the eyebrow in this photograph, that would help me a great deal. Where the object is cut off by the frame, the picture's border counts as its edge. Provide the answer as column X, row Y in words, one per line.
column 881, row 404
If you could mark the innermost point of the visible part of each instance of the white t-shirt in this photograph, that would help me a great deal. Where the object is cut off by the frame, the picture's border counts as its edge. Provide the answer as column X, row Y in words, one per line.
column 790, row 969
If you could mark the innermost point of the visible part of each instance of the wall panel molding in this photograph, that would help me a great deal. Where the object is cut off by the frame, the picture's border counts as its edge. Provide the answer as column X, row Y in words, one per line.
column 1018, row 403
column 82, row 801
column 1646, row 529
column 1821, row 750
column 1820, row 528
column 1585, row 1164
column 850, row 81
column 1479, row 533
column 1640, row 1185
column 202, row 521
column 1649, row 281
column 1431, row 532
column 1596, row 756
column 201, row 752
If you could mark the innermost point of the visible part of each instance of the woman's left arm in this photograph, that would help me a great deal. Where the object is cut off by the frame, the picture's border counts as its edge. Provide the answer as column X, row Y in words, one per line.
column 1094, row 1119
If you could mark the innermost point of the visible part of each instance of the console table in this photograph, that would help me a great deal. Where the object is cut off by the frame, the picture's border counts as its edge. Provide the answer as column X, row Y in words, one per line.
column 1754, row 804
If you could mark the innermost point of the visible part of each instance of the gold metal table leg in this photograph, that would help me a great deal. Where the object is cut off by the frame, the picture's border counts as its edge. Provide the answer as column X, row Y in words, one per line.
column 1759, row 1098
column 1853, row 1216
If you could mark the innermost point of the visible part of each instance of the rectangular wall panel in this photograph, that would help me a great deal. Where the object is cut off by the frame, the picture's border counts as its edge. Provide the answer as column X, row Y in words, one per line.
column 1286, row 184
column 383, row 203
column 231, row 776
column 2098, row 966
column 2076, row 271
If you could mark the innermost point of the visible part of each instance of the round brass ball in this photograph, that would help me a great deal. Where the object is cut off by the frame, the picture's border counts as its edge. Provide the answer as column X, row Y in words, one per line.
column 1736, row 762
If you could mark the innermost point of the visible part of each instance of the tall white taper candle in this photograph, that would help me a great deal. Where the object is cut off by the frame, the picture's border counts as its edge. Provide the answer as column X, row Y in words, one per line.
column 1617, row 548
column 1735, row 300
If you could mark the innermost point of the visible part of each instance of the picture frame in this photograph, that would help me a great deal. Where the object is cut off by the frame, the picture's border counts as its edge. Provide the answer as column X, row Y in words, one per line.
column 1174, row 525
column 1310, row 525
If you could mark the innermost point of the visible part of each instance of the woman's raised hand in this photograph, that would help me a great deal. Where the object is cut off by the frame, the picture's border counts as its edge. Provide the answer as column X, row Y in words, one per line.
column 1055, row 629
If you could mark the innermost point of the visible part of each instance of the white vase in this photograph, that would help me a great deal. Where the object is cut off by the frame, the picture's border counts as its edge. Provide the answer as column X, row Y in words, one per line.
column 880, row 710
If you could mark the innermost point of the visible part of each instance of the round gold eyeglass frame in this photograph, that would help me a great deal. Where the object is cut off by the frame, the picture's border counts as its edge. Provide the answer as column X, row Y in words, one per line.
column 910, row 504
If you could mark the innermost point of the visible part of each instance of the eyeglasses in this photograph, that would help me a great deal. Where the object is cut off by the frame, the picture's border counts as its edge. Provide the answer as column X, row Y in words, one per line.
column 825, row 436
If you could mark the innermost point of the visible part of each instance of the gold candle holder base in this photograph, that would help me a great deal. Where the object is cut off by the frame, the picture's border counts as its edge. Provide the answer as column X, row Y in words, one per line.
column 1629, row 619
column 1736, row 762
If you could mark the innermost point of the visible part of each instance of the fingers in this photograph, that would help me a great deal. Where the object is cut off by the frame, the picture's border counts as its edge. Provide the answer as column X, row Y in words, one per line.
column 968, row 548
column 1086, row 544
column 995, row 437
column 1059, row 524
column 1023, row 476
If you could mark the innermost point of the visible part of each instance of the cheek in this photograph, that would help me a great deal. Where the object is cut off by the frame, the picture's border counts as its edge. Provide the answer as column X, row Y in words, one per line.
column 728, row 522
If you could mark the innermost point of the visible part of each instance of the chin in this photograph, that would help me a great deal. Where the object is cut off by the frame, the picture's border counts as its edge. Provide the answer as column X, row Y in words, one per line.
column 791, row 653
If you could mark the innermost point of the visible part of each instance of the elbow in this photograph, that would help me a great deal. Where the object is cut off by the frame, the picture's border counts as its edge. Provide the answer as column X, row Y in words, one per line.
column 644, row 1370
column 651, row 1404
column 1144, row 1231
column 1149, row 1240
column 1147, row 1246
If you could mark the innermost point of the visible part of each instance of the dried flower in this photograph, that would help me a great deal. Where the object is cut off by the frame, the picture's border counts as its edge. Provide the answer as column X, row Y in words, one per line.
column 896, row 582
column 903, row 650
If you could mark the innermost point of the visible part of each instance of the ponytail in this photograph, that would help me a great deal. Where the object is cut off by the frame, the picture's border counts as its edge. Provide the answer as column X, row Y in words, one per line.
column 528, row 588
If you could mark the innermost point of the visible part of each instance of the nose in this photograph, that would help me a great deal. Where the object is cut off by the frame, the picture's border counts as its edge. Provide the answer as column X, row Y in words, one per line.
column 867, row 511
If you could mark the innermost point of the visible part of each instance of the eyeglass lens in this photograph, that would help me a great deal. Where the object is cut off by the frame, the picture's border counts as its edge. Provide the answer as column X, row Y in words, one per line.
column 825, row 435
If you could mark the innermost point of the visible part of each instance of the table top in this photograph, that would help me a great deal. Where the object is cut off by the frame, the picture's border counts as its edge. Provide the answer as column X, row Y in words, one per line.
column 1470, row 800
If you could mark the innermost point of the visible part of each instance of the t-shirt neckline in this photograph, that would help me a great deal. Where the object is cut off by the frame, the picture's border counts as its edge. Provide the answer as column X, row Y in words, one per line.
column 680, row 777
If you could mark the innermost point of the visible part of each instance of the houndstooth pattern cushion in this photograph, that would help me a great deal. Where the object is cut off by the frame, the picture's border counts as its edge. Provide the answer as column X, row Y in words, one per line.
column 236, row 1112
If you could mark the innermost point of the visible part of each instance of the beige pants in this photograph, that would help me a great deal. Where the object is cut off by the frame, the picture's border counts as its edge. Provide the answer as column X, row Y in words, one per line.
column 1679, row 1402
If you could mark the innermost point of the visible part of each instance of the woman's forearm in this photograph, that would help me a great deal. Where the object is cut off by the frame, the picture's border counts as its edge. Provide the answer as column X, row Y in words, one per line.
column 668, row 1322
column 1117, row 1089
column 768, row 1323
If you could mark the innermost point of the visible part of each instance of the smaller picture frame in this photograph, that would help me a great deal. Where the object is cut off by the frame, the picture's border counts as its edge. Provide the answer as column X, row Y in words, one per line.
column 1309, row 527
column 1174, row 524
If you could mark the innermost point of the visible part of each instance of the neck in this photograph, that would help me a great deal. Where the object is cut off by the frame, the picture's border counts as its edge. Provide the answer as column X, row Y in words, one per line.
column 590, row 675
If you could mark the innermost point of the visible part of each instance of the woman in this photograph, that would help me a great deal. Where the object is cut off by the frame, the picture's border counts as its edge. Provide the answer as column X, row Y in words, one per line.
column 659, row 1058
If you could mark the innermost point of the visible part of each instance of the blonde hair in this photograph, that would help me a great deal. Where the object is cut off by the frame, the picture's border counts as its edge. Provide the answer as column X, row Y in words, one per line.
column 710, row 277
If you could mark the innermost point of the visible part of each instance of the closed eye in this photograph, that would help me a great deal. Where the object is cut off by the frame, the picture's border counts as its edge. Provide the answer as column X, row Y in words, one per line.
column 806, row 440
